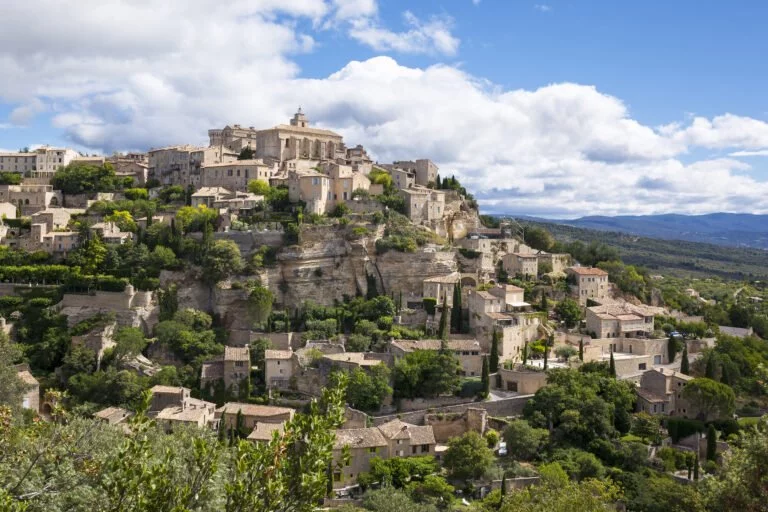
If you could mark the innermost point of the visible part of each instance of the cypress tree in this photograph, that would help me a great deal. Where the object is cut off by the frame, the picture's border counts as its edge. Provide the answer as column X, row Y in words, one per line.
column 486, row 378
column 612, row 366
column 671, row 349
column 581, row 350
column 494, row 360
column 710, row 371
column 400, row 302
column 544, row 303
column 442, row 332
column 504, row 485
column 546, row 356
column 696, row 467
column 684, row 363
column 711, row 442
column 525, row 353
column 456, row 309
column 239, row 423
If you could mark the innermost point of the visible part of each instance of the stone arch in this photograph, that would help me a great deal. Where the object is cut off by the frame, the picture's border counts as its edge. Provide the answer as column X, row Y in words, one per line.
column 469, row 281
column 26, row 201
column 55, row 200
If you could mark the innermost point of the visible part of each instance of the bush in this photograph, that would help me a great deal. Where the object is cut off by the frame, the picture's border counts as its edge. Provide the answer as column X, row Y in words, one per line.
column 430, row 304
column 679, row 428
column 469, row 253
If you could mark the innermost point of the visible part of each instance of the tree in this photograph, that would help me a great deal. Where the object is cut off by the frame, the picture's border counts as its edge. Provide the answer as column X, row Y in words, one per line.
column 494, row 357
column 710, row 370
column 645, row 426
column 221, row 261
column 581, row 350
column 129, row 342
column 546, row 357
column 525, row 352
column 456, row 313
column 711, row 442
column 538, row 238
column 524, row 441
column 81, row 177
column 468, row 456
column 442, row 332
column 426, row 373
column 485, row 379
column 123, row 220
column 612, row 366
column 245, row 154
column 672, row 349
column 13, row 388
column 565, row 352
column 684, row 363
column 367, row 390
column 696, row 468
column 710, row 398
column 742, row 482
column 260, row 305
column 569, row 311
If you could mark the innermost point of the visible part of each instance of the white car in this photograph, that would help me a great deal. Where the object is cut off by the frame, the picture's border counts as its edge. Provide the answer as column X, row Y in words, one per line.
column 502, row 448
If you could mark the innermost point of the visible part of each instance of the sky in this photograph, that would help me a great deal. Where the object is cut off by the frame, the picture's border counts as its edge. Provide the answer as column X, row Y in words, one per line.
column 558, row 109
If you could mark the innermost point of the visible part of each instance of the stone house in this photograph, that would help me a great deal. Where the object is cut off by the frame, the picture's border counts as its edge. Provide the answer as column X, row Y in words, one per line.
column 263, row 432
column 207, row 196
column 351, row 360
column 7, row 210
column 401, row 178
column 523, row 265
column 234, row 175
column 232, row 369
column 41, row 163
column 588, row 283
column 424, row 170
column 252, row 415
column 52, row 242
column 344, row 181
column 233, row 138
column 621, row 320
column 467, row 351
column 423, row 204
column 441, row 287
column 55, row 218
column 180, row 165
column 393, row 439
column 558, row 262
column 31, row 397
column 521, row 379
column 30, row 199
column 174, row 405
column 660, row 392
column 312, row 187
column 113, row 415
column 279, row 368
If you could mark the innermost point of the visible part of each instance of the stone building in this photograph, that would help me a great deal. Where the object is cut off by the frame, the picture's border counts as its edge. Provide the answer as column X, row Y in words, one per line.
column 52, row 242
column 660, row 392
column 523, row 265
column 441, row 288
column 621, row 320
column 467, row 351
column 298, row 141
column 521, row 379
column 252, row 415
column 42, row 162
column 393, row 439
column 557, row 262
column 234, row 138
column 30, row 199
column 423, row 204
column 588, row 283
column 423, row 170
column 344, row 181
column 278, row 368
column 312, row 187
column 232, row 369
column 174, row 405
column 234, row 175
column 180, row 165
column 31, row 397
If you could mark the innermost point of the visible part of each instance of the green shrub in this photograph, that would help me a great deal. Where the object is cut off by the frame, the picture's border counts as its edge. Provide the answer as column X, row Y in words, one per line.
column 430, row 303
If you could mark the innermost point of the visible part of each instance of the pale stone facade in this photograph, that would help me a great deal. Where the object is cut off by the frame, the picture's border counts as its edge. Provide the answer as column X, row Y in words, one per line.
column 423, row 170
column 621, row 320
column 31, row 397
column 252, row 414
column 174, row 405
column 298, row 141
column 520, row 379
column 423, row 204
column 41, row 163
column 233, row 368
column 467, row 351
column 180, row 165
column 589, row 283
column 558, row 262
column 392, row 439
column 30, row 198
column 312, row 187
column 234, row 175
column 278, row 368
column 441, row 288
column 344, row 181
column 524, row 265
column 661, row 392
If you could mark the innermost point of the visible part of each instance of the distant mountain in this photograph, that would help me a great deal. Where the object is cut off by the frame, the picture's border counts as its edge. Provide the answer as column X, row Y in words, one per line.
column 730, row 229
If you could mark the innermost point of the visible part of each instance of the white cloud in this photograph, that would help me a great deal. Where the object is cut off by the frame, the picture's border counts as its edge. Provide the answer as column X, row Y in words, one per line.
column 432, row 36
column 562, row 149
column 542, row 7
column 759, row 152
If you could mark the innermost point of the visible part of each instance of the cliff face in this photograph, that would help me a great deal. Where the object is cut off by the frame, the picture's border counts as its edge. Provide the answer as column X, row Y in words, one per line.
column 405, row 271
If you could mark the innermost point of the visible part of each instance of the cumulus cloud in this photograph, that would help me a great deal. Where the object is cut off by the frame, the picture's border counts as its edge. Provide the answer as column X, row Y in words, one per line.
column 562, row 150
column 542, row 7
column 431, row 36
column 759, row 152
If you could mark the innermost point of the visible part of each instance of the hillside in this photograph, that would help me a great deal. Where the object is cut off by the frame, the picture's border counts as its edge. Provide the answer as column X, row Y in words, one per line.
column 730, row 229
column 673, row 257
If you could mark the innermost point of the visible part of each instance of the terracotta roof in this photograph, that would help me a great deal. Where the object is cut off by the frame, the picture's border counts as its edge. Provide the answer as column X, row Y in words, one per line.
column 454, row 345
column 236, row 354
column 278, row 354
column 358, row 358
column 211, row 191
column 261, row 411
column 263, row 431
column 624, row 311
column 359, row 438
column 672, row 373
column 487, row 296
column 397, row 429
column 451, row 278
column 588, row 271
column 113, row 414
column 306, row 129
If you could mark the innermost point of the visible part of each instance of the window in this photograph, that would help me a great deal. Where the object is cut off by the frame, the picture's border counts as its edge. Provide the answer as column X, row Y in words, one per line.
column 413, row 450
column 641, row 366
column 372, row 449
column 337, row 477
column 238, row 363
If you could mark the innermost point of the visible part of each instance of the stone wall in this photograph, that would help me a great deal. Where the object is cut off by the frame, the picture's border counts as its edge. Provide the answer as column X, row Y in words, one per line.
column 406, row 272
column 501, row 408
column 446, row 426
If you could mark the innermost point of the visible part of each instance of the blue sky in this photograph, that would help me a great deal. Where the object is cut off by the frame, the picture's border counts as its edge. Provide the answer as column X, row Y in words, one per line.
column 557, row 108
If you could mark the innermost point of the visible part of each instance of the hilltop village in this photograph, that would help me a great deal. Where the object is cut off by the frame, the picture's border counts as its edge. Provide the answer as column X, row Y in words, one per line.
column 232, row 284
